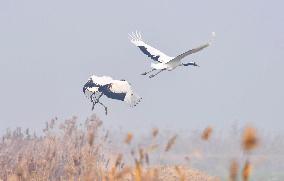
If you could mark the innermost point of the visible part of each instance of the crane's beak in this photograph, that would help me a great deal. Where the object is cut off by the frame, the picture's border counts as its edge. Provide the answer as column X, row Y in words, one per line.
column 195, row 64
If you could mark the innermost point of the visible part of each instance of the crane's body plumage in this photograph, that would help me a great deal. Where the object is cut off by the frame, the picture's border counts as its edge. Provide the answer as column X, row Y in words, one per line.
column 162, row 61
column 97, row 86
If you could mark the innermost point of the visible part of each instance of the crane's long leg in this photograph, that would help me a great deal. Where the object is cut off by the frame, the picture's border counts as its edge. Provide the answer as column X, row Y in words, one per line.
column 145, row 73
column 191, row 63
column 98, row 101
column 92, row 100
column 153, row 75
column 103, row 106
column 95, row 101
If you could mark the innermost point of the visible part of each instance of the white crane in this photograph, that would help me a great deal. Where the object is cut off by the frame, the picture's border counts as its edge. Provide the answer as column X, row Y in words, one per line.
column 163, row 61
column 98, row 86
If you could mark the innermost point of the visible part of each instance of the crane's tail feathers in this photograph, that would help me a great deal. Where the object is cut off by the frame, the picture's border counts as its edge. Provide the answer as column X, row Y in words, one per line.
column 132, row 99
column 138, row 100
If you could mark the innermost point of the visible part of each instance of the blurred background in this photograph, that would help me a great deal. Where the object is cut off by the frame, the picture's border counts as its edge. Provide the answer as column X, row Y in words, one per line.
column 48, row 50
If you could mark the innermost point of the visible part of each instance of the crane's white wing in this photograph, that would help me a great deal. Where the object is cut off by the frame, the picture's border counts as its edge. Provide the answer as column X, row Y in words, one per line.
column 151, row 52
column 197, row 49
column 114, row 89
column 101, row 80
column 122, row 90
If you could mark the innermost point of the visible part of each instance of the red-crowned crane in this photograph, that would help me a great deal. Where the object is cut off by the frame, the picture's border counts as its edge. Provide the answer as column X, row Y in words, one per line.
column 97, row 86
column 163, row 61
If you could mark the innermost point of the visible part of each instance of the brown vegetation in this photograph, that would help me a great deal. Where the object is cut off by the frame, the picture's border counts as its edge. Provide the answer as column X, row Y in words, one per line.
column 249, row 139
column 207, row 133
column 234, row 168
column 77, row 152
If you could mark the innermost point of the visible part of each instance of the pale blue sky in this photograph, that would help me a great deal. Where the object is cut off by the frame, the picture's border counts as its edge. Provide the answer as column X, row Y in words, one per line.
column 48, row 49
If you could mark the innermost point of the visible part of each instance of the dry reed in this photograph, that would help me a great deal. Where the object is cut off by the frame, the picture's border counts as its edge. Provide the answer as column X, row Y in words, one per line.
column 72, row 151
column 249, row 139
column 246, row 172
column 207, row 133
column 170, row 143
column 128, row 138
column 234, row 168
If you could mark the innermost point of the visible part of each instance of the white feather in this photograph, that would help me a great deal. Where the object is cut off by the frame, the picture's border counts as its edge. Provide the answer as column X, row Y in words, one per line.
column 136, row 39
column 165, row 62
column 103, row 80
column 131, row 97
column 117, row 86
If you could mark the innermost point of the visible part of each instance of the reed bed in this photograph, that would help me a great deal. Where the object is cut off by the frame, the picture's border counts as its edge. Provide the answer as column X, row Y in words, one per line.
column 81, row 152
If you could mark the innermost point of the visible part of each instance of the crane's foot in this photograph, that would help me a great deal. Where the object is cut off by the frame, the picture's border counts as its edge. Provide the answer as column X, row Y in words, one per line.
column 106, row 110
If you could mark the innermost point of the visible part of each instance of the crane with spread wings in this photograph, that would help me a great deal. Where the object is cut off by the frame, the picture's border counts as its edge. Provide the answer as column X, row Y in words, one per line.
column 162, row 61
column 97, row 86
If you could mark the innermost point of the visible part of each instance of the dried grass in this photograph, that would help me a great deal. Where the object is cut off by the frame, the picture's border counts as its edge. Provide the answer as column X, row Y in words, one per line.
column 234, row 169
column 128, row 138
column 246, row 172
column 72, row 152
column 249, row 140
column 155, row 132
column 170, row 143
column 207, row 132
